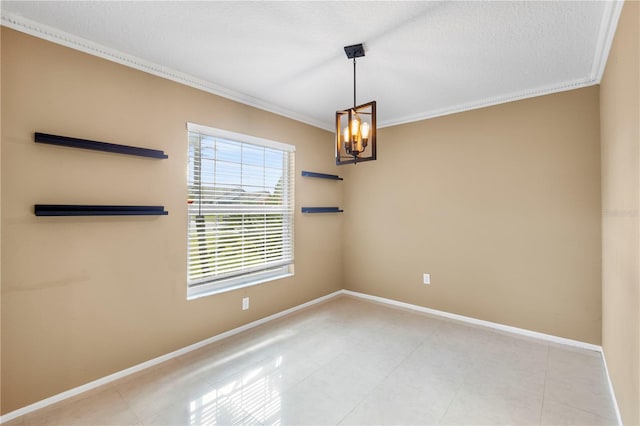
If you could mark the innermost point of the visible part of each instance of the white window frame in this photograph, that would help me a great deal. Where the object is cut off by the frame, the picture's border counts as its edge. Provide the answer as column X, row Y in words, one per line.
column 260, row 274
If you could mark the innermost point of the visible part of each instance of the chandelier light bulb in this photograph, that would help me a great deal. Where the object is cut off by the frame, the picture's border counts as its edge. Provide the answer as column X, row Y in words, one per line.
column 355, row 125
column 365, row 130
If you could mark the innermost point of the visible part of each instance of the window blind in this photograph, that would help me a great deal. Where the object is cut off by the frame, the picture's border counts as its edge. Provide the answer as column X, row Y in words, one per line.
column 240, row 210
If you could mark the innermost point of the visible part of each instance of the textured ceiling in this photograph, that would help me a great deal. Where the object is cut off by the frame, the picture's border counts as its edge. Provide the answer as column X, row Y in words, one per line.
column 423, row 59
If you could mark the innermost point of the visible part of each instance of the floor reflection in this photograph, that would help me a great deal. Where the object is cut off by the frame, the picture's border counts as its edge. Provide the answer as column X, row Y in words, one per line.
column 250, row 397
column 353, row 362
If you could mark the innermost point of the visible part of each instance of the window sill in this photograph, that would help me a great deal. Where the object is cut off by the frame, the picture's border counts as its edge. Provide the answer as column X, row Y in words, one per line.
column 193, row 294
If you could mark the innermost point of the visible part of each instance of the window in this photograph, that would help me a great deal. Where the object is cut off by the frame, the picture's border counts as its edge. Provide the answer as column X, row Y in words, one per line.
column 240, row 210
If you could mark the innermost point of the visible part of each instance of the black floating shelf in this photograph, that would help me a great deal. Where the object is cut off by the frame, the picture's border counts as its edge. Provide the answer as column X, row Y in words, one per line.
column 321, row 210
column 98, row 146
column 84, row 210
column 320, row 175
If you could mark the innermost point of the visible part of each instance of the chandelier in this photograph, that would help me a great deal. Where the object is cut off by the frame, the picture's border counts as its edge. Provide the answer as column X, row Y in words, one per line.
column 356, row 127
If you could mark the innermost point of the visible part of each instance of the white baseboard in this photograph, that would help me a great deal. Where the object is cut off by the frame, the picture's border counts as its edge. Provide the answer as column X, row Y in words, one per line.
column 479, row 322
column 611, row 391
column 501, row 327
column 474, row 321
column 155, row 361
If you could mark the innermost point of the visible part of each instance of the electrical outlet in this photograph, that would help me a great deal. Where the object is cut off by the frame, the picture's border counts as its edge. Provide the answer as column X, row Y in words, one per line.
column 245, row 303
column 427, row 278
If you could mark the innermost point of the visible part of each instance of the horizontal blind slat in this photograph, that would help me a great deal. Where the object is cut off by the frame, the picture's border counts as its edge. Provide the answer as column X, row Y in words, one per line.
column 240, row 208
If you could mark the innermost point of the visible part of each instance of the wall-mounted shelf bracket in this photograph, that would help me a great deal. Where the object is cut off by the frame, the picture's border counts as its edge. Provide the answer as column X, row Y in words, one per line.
column 98, row 146
column 321, row 210
column 320, row 175
column 93, row 210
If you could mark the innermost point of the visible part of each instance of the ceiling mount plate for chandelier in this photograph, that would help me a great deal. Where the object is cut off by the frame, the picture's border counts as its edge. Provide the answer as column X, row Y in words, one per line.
column 354, row 51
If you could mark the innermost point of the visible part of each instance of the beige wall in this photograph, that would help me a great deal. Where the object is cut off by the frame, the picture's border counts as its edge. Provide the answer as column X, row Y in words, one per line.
column 0, row 224
column 500, row 205
column 620, row 127
column 86, row 297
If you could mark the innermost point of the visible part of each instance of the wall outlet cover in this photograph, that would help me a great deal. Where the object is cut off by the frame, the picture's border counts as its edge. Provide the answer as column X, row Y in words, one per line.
column 426, row 278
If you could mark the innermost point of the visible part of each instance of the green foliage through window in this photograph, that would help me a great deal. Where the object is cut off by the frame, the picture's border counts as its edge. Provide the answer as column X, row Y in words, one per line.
column 240, row 209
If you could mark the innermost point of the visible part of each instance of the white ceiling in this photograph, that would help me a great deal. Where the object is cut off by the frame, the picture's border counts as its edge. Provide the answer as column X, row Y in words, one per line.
column 423, row 59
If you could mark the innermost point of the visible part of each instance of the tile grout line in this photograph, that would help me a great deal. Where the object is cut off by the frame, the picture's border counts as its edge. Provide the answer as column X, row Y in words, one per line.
column 544, row 388
column 441, row 419
column 413, row 342
column 126, row 402
column 108, row 380
column 463, row 382
column 382, row 380
column 590, row 412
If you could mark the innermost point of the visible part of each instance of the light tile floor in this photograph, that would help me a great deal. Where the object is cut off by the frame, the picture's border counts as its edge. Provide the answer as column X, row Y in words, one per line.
column 353, row 362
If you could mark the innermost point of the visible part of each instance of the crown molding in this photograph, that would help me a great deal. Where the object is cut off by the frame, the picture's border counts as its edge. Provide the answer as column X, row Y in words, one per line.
column 608, row 26
column 488, row 102
column 609, row 22
column 36, row 29
column 606, row 33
